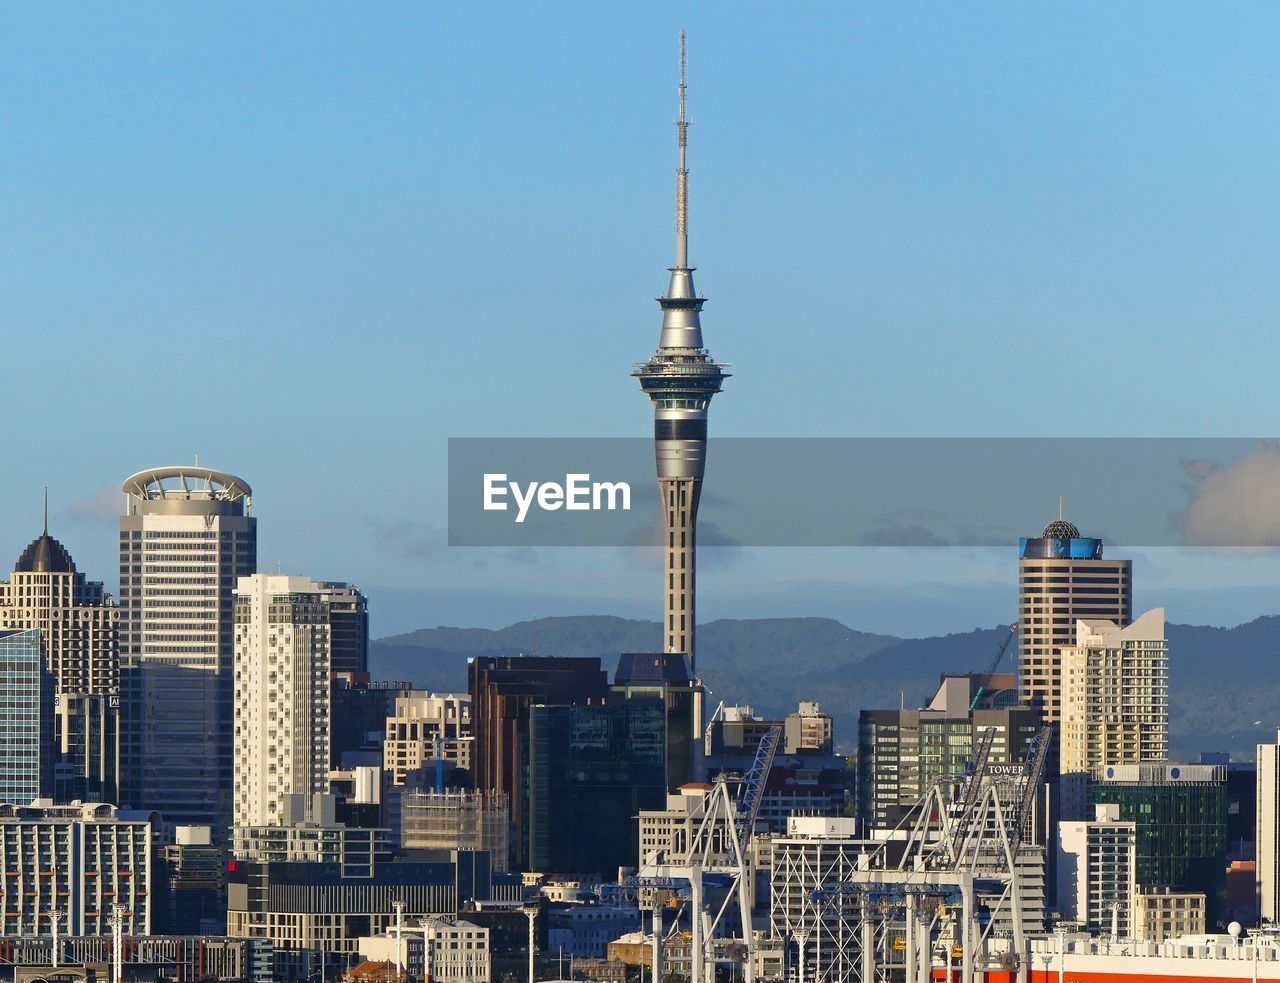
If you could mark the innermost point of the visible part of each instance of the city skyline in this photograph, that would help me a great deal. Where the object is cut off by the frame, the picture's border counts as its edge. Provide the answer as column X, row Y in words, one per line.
column 328, row 250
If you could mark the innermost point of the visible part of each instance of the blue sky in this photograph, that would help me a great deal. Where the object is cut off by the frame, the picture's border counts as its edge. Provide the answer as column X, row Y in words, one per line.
column 311, row 242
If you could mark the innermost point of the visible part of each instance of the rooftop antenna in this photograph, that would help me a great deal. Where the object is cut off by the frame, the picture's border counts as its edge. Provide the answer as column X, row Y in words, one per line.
column 1059, row 506
column 46, row 510
column 682, row 172
column 197, row 459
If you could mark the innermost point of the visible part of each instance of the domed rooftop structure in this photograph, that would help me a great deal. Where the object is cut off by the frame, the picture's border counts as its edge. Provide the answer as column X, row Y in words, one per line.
column 45, row 555
column 1061, row 529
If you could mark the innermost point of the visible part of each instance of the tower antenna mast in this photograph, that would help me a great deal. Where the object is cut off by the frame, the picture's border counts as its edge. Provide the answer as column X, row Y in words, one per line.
column 682, row 172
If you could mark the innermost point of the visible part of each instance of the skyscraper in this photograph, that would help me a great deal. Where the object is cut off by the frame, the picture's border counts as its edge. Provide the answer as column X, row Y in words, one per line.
column 77, row 617
column 79, row 626
column 503, row 688
column 348, row 627
column 281, row 695
column 1115, row 701
column 1062, row 579
column 1267, row 836
column 680, row 378
column 592, row 769
column 26, row 719
column 186, row 536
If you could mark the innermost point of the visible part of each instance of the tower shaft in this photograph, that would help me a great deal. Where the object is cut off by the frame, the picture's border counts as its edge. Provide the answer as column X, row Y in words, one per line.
column 680, row 378
column 680, row 505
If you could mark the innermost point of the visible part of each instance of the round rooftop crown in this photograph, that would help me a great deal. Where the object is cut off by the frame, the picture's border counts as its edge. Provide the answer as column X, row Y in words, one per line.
column 1061, row 529
column 186, row 482
column 45, row 555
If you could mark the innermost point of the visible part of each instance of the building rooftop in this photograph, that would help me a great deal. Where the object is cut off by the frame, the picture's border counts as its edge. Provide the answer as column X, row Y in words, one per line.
column 45, row 555
column 186, row 482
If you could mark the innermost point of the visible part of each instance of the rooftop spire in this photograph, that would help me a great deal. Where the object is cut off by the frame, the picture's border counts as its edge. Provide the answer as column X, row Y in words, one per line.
column 682, row 172
column 46, row 510
column 681, row 304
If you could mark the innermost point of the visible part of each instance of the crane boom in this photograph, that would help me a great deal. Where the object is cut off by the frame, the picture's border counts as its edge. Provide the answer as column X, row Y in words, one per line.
column 753, row 785
column 995, row 663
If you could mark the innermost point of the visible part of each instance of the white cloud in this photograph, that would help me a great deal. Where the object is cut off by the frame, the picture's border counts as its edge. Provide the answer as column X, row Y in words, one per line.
column 1236, row 505
column 100, row 508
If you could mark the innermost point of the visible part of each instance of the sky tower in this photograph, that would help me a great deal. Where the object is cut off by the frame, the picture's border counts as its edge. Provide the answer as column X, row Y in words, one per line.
column 680, row 378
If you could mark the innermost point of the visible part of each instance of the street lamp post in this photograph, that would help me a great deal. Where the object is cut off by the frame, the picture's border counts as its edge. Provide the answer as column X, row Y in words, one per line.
column 398, row 905
column 531, row 913
column 54, row 921
column 117, row 942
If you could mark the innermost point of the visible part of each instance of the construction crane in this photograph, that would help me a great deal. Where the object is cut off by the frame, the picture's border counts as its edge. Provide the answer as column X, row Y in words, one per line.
column 752, row 791
column 995, row 663
column 711, row 725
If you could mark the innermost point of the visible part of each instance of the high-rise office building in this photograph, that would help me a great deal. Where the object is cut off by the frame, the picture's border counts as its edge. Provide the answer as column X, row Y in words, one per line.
column 348, row 627
column 1180, row 813
column 281, row 695
column 27, row 748
column 666, row 676
column 78, row 618
column 1115, row 701
column 592, row 769
column 186, row 536
column 1098, row 870
column 79, row 624
column 502, row 689
column 1267, row 837
column 1062, row 579
column 426, row 728
column 807, row 777
column 358, row 718
column 902, row 753
column 87, row 740
column 680, row 378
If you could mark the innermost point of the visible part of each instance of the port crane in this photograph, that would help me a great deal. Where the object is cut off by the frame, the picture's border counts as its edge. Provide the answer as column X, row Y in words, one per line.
column 714, row 847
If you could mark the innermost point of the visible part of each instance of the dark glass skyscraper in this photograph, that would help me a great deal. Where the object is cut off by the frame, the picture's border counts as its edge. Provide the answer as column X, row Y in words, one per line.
column 591, row 770
column 503, row 688
column 665, row 675
column 27, row 747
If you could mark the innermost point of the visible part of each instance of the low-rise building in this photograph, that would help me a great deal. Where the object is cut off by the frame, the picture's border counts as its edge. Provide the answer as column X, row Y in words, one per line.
column 74, row 862
column 145, row 957
column 312, row 908
column 1161, row 914
column 326, row 841
column 451, row 950
column 584, row 931
column 636, row 949
column 455, row 819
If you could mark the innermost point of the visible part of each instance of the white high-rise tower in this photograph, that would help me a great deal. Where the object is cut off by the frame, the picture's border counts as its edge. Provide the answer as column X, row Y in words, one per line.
column 281, row 695
column 680, row 378
column 186, row 536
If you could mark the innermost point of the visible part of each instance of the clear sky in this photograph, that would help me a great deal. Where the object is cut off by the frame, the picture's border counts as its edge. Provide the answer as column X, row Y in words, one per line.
column 311, row 242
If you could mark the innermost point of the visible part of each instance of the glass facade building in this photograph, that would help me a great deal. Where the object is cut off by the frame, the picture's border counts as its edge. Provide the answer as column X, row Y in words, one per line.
column 666, row 675
column 592, row 769
column 26, row 719
column 1180, row 812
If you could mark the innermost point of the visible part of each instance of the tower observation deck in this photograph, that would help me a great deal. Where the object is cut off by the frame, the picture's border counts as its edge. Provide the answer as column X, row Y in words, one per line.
column 680, row 378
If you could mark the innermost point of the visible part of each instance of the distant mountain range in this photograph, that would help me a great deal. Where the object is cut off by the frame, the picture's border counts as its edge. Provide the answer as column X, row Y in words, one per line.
column 1224, row 685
